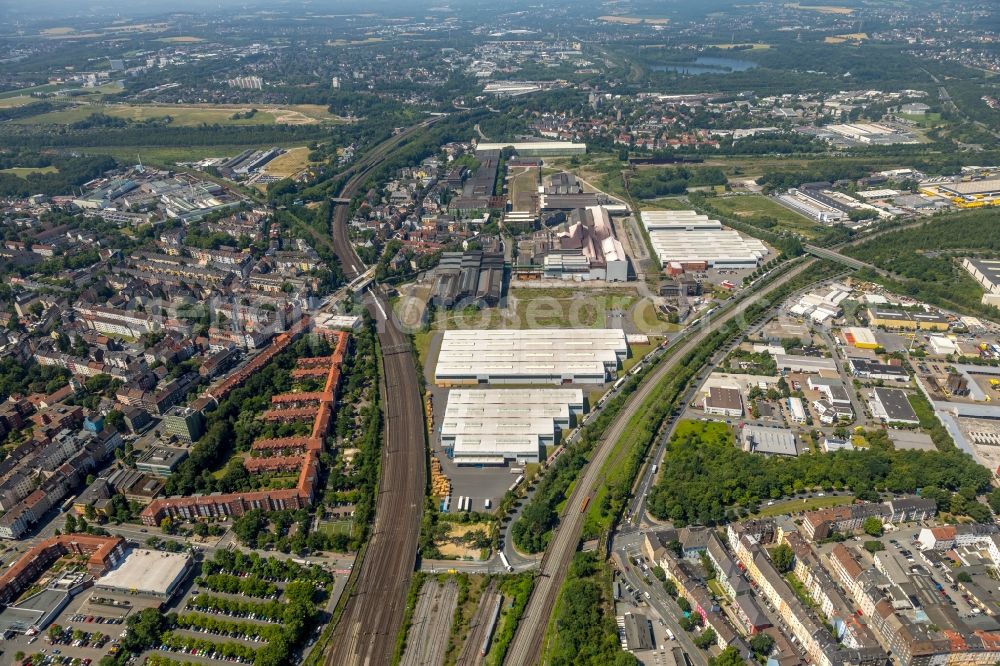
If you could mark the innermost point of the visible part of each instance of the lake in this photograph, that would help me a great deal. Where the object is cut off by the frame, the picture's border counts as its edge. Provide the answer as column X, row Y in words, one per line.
column 707, row 65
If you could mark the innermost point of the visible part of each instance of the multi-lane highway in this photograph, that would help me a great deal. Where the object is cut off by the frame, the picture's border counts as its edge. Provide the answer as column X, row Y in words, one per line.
column 366, row 632
column 526, row 646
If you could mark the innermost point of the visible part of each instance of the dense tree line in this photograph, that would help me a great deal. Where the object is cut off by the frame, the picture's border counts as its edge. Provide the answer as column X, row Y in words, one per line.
column 584, row 621
column 25, row 110
column 233, row 426
column 71, row 172
column 825, row 170
column 250, row 586
column 18, row 378
column 707, row 479
column 532, row 530
column 653, row 183
column 33, row 137
column 268, row 568
column 926, row 260
column 267, row 610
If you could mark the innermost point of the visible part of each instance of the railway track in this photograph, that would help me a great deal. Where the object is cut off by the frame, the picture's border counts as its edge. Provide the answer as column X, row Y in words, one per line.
column 526, row 647
column 471, row 654
column 366, row 632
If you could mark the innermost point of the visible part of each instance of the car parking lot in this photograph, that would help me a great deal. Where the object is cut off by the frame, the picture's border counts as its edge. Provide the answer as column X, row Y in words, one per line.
column 86, row 635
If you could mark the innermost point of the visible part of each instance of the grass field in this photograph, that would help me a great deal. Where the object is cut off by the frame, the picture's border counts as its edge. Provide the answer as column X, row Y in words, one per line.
column 753, row 47
column 191, row 115
column 181, row 116
column 852, row 38
column 565, row 307
column 168, row 155
column 600, row 169
column 108, row 88
column 926, row 120
column 637, row 353
column 24, row 172
column 523, row 186
column 289, row 164
column 634, row 20
column 752, row 205
column 666, row 203
column 50, row 87
column 332, row 527
column 806, row 504
column 822, row 9
column 19, row 100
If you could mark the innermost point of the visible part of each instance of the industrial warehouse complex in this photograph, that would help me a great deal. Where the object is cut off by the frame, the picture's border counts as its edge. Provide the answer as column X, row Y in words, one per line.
column 537, row 356
column 987, row 273
column 496, row 426
column 684, row 240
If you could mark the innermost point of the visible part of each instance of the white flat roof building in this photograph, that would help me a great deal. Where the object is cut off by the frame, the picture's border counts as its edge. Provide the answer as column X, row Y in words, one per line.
column 534, row 356
column 942, row 346
column 515, row 398
column 797, row 409
column 147, row 572
column 678, row 220
column 768, row 441
column 494, row 426
column 792, row 363
column 537, row 148
column 987, row 273
column 689, row 238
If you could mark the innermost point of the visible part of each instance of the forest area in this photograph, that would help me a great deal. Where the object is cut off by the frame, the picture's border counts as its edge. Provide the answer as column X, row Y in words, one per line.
column 707, row 479
column 926, row 261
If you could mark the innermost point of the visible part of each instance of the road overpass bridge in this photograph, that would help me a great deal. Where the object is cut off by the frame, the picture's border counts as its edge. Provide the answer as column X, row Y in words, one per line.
column 831, row 255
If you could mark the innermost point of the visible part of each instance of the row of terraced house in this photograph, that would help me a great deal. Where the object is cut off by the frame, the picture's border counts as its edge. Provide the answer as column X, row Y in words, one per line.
column 301, row 454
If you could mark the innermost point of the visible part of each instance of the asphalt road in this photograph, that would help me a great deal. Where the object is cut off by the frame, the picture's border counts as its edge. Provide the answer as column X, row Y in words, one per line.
column 526, row 647
column 627, row 545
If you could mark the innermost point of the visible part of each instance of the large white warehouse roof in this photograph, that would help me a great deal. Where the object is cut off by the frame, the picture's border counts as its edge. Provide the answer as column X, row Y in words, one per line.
column 550, row 355
column 492, row 426
column 685, row 236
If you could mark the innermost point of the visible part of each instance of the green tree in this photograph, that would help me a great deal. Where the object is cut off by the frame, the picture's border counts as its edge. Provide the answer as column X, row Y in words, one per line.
column 783, row 557
column 705, row 639
column 874, row 546
column 116, row 419
column 145, row 629
column 729, row 657
column 249, row 525
column 762, row 644
column 872, row 526
column 167, row 525
column 994, row 500
column 70, row 525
